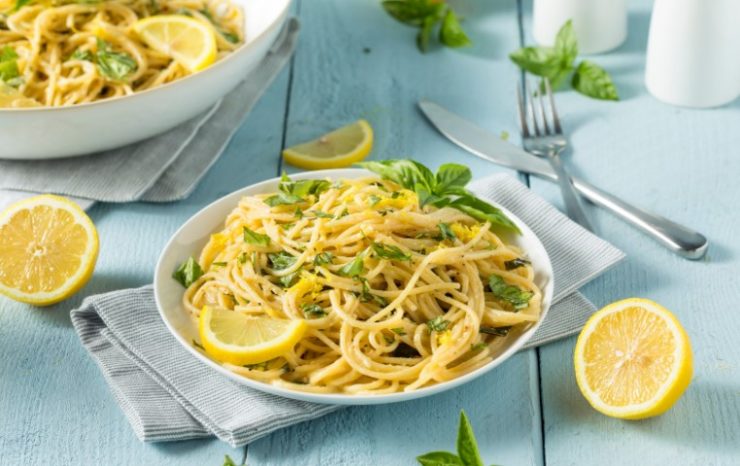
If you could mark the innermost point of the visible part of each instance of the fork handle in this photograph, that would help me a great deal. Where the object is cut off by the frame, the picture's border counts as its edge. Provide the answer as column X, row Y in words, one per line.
column 678, row 238
column 573, row 206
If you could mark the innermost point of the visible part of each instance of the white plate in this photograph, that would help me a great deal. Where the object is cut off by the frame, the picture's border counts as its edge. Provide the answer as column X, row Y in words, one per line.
column 193, row 235
column 53, row 132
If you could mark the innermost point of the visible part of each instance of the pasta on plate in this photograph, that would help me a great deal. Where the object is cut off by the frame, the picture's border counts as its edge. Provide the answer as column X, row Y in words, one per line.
column 395, row 296
column 67, row 52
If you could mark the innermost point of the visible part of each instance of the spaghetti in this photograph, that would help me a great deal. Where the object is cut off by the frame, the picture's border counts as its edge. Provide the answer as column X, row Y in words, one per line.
column 396, row 297
column 67, row 52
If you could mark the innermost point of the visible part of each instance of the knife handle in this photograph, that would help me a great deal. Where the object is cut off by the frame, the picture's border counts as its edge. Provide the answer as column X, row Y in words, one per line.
column 678, row 238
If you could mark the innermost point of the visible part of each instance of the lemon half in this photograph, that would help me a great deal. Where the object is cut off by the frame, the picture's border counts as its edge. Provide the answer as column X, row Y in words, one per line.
column 48, row 249
column 340, row 148
column 633, row 359
column 188, row 41
column 239, row 339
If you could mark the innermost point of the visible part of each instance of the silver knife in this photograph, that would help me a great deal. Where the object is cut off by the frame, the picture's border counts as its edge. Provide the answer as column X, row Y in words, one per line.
column 680, row 239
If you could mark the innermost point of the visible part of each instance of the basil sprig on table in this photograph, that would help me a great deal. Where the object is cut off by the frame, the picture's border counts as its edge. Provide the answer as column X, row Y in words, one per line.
column 467, row 449
column 445, row 189
column 427, row 15
column 558, row 62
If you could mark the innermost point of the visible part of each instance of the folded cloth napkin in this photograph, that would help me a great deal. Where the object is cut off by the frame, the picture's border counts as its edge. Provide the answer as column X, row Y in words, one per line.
column 160, row 169
column 167, row 394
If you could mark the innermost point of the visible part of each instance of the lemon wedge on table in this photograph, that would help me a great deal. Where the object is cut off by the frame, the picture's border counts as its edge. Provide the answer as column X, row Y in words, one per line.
column 340, row 148
column 188, row 41
column 633, row 359
column 48, row 249
column 239, row 339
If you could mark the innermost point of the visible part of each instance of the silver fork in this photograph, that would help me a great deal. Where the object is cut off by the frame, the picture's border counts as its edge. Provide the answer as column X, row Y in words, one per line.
column 546, row 139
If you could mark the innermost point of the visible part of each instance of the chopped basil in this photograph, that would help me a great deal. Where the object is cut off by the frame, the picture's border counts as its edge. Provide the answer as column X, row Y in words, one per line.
column 509, row 293
column 445, row 232
column 298, row 213
column 366, row 296
column 302, row 188
column 313, row 311
column 188, row 272
column 287, row 226
column 242, row 258
column 320, row 214
column 355, row 267
column 83, row 55
column 323, row 258
column 399, row 331
column 496, row 331
column 478, row 346
column 257, row 239
column 9, row 72
column 374, row 199
column 219, row 264
column 283, row 199
column 115, row 66
column 438, row 324
column 516, row 263
column 388, row 339
column 289, row 280
column 281, row 260
column 20, row 4
column 387, row 251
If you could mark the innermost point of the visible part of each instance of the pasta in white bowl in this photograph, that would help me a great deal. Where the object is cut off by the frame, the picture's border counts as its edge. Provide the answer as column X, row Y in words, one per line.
column 429, row 307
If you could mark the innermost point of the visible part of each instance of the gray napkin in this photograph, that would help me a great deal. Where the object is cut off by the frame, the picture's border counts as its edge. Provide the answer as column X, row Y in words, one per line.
column 160, row 169
column 167, row 394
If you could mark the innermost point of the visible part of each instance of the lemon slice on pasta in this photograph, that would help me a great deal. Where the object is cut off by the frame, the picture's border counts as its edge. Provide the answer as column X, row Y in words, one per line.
column 188, row 41
column 633, row 359
column 339, row 148
column 239, row 339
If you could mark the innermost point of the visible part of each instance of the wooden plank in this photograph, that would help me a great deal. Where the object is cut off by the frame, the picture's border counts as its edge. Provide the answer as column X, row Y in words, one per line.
column 353, row 61
column 55, row 406
column 674, row 161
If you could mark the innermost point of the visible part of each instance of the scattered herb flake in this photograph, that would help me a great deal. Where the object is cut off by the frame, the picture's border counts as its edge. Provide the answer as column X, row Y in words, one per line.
column 188, row 272
column 387, row 251
column 511, row 294
column 516, row 263
column 496, row 331
column 323, row 258
column 445, row 232
column 254, row 238
column 438, row 324
column 313, row 311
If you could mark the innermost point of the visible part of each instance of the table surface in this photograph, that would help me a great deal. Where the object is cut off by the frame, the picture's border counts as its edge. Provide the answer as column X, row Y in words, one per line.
column 353, row 61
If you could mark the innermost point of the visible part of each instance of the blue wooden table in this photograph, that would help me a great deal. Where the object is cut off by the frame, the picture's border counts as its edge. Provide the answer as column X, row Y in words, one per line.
column 352, row 62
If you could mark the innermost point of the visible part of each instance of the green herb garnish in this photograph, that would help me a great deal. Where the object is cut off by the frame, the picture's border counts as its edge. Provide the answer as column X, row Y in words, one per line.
column 445, row 232
column 188, row 272
column 496, row 331
column 558, row 62
column 511, row 294
column 115, row 66
column 388, row 251
column 289, row 280
column 438, row 324
column 83, row 55
column 399, row 331
column 20, row 4
column 242, row 258
column 9, row 72
column 219, row 264
column 516, row 263
column 282, row 199
column 254, row 238
column 313, row 311
column 374, row 199
column 446, row 188
column 355, row 267
column 426, row 15
column 366, row 296
column 478, row 346
column 302, row 188
column 228, row 461
column 323, row 258
column 320, row 214
column 281, row 260
column 467, row 449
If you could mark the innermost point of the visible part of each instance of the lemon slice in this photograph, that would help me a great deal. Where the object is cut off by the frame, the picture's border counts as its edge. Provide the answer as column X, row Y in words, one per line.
column 238, row 339
column 633, row 359
column 340, row 148
column 48, row 249
column 188, row 41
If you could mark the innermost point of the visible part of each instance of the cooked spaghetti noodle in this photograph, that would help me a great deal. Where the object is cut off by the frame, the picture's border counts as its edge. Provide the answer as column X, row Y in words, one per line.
column 396, row 297
column 66, row 52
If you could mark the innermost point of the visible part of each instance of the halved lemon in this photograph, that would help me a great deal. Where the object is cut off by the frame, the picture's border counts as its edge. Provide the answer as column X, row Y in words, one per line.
column 188, row 41
column 238, row 339
column 340, row 148
column 48, row 249
column 633, row 359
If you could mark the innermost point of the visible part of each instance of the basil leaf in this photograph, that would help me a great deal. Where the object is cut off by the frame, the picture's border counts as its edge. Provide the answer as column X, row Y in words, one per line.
column 353, row 268
column 387, row 251
column 566, row 45
column 516, row 263
column 451, row 33
column 484, row 211
column 367, row 297
column 302, row 188
column 452, row 177
column 257, row 239
column 115, row 66
column 188, row 272
column 445, row 232
column 228, row 461
column 281, row 260
column 440, row 458
column 438, row 324
column 399, row 331
column 405, row 172
column 425, row 33
column 373, row 199
column 512, row 294
column 540, row 61
column 289, row 280
column 592, row 80
column 283, row 199
column 8, row 65
column 467, row 447
column 323, row 258
column 242, row 258
column 320, row 214
column 313, row 311
column 496, row 331
column 218, row 264
column 20, row 4
column 478, row 346
column 427, row 197
column 83, row 55
column 411, row 12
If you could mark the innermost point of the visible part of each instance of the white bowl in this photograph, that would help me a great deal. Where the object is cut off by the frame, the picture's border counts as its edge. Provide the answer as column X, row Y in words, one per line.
column 53, row 132
column 193, row 235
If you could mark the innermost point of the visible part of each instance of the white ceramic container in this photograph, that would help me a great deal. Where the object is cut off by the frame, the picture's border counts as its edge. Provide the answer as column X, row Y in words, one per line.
column 53, row 132
column 193, row 235
column 693, row 54
column 600, row 25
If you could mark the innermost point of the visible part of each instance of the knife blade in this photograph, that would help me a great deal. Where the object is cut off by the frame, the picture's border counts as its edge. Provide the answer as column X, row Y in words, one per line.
column 682, row 240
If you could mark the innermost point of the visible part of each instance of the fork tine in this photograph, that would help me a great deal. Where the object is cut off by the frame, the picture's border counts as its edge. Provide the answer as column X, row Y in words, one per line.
column 532, row 112
column 553, row 110
column 522, row 113
column 541, row 102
